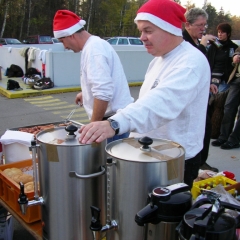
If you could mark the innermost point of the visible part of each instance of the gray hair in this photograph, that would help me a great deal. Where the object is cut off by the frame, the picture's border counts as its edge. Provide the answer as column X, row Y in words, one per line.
column 192, row 14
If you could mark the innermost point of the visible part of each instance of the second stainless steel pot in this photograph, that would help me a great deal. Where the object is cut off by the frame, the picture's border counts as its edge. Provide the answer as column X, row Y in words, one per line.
column 135, row 170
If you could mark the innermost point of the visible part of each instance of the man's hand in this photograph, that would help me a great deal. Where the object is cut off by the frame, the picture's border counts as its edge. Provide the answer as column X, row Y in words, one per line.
column 79, row 99
column 205, row 39
column 213, row 88
column 95, row 132
column 236, row 58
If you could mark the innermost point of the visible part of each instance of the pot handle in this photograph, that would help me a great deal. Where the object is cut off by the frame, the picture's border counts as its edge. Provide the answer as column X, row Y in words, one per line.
column 74, row 174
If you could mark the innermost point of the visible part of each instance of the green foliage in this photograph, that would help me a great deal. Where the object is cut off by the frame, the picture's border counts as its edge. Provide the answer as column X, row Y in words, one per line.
column 107, row 17
column 212, row 15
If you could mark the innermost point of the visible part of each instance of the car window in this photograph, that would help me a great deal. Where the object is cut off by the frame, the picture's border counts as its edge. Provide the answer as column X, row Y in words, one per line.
column 135, row 41
column 113, row 41
column 2, row 41
column 55, row 40
column 13, row 41
column 122, row 41
column 45, row 39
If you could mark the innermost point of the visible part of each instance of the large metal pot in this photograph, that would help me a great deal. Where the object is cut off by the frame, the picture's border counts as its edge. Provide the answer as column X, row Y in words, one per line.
column 138, row 166
column 71, row 180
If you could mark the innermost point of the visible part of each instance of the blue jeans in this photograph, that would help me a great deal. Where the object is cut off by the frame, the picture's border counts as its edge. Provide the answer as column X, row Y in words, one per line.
column 117, row 137
column 223, row 86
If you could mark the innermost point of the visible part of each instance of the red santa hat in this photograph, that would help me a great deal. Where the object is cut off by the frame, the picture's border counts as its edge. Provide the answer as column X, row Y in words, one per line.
column 65, row 23
column 165, row 14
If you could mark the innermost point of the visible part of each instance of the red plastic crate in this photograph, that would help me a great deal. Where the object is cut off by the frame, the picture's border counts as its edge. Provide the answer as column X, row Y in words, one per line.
column 10, row 190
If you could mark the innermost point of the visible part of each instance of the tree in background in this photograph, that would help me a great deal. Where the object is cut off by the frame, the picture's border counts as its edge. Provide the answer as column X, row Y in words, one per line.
column 212, row 15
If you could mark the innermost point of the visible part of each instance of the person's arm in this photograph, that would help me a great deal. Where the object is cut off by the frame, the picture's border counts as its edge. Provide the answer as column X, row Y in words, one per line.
column 206, row 38
column 213, row 88
column 204, row 42
column 236, row 58
column 99, row 109
column 100, row 82
column 237, row 52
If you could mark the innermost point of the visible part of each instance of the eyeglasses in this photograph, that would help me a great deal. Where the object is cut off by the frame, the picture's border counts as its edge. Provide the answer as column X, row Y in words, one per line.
column 200, row 25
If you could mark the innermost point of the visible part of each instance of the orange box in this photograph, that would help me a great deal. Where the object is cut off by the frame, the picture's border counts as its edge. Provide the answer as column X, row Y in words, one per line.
column 10, row 190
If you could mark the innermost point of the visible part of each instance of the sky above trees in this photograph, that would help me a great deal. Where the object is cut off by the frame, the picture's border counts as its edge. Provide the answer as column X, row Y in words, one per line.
column 228, row 6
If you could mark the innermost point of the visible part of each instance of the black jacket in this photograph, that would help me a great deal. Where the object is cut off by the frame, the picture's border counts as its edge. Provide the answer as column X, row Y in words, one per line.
column 228, row 67
column 188, row 38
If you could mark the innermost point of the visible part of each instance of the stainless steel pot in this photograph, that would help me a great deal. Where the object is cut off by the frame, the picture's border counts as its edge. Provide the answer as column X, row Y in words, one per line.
column 137, row 167
column 71, row 180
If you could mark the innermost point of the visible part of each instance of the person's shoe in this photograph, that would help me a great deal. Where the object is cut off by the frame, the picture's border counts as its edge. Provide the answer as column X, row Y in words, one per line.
column 218, row 142
column 229, row 145
column 205, row 166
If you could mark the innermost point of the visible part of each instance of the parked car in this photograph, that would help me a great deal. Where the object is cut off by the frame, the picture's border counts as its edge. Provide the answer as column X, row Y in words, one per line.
column 7, row 41
column 237, row 42
column 38, row 39
column 55, row 40
column 133, row 41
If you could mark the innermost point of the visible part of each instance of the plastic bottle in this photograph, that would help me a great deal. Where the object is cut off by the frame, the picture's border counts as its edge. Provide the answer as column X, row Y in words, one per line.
column 217, row 43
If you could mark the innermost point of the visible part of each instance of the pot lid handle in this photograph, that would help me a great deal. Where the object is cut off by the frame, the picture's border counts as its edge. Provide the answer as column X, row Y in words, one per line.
column 145, row 142
column 71, row 129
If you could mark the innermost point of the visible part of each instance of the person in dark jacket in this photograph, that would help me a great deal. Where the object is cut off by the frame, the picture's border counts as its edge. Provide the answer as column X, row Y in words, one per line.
column 229, row 135
column 194, row 30
column 220, row 57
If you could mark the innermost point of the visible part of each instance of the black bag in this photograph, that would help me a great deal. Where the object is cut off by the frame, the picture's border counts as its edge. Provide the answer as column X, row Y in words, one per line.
column 13, row 85
column 14, row 71
column 32, row 71
column 44, row 83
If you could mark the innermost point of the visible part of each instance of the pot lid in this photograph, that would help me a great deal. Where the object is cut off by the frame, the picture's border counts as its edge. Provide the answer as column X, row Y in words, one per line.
column 145, row 149
column 223, row 223
column 60, row 136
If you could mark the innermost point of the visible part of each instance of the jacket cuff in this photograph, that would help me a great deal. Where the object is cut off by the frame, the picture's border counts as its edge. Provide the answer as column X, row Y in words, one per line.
column 123, row 122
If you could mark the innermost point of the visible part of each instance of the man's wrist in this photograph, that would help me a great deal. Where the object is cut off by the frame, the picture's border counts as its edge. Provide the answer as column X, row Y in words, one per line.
column 114, row 125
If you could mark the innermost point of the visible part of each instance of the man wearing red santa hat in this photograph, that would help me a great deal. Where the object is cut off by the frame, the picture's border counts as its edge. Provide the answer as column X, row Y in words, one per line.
column 173, row 98
column 104, row 85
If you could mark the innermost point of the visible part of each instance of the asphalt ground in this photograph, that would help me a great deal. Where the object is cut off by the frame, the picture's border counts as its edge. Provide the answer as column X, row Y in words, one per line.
column 48, row 108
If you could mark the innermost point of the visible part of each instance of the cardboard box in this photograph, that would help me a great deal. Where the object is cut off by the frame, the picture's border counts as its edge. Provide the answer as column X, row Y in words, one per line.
column 10, row 190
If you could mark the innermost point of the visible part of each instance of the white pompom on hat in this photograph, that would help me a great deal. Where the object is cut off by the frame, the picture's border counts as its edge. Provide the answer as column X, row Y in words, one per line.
column 165, row 14
column 65, row 23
